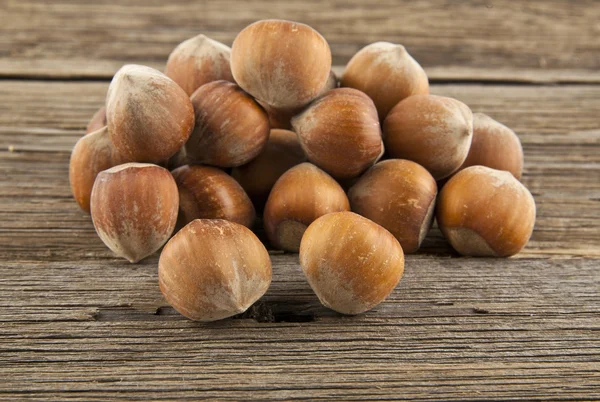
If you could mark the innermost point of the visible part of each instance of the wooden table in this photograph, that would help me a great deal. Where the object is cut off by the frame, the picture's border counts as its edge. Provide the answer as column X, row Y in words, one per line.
column 77, row 323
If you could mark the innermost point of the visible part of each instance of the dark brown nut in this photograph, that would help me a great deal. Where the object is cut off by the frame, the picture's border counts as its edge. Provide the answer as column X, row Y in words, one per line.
column 209, row 193
column 258, row 176
column 340, row 133
column 231, row 128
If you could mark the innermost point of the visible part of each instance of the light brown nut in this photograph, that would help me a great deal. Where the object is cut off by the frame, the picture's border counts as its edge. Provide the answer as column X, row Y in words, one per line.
column 301, row 195
column 284, row 64
column 351, row 263
column 434, row 131
column 134, row 208
column 149, row 116
column 213, row 269
column 340, row 133
column 486, row 212
column 400, row 196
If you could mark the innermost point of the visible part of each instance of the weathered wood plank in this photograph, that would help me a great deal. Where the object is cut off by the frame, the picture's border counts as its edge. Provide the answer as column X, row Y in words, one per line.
column 454, row 329
column 550, row 41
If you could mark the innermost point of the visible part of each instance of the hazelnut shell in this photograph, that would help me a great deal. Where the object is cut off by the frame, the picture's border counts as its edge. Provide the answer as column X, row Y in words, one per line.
column 97, row 122
column 92, row 154
column 209, row 193
column 149, row 116
column 301, row 195
column 400, row 196
column 284, row 64
column 231, row 128
column 486, row 212
column 134, row 208
column 213, row 269
column 494, row 145
column 387, row 73
column 340, row 133
column 351, row 263
column 434, row 131
column 197, row 61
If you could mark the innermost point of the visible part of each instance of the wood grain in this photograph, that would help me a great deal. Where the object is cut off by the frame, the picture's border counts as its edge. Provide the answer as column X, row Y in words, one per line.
column 497, row 40
column 77, row 323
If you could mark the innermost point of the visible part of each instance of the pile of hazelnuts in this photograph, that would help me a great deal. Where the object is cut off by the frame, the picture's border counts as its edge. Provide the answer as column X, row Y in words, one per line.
column 263, row 126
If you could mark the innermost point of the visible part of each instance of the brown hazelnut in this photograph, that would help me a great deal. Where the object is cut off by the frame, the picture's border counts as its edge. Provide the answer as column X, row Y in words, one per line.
column 340, row 132
column 92, row 154
column 149, row 116
column 134, row 208
column 494, row 145
column 433, row 131
column 281, row 118
column 301, row 195
column 98, row 121
column 485, row 212
column 231, row 128
column 209, row 193
column 213, row 269
column 400, row 196
column 284, row 64
column 387, row 73
column 258, row 176
column 198, row 61
column 351, row 263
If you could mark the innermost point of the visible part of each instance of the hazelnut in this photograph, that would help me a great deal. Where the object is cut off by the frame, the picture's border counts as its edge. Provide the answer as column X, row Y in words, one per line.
column 281, row 118
column 433, row 131
column 494, row 145
column 197, row 61
column 149, row 116
column 340, row 132
column 387, row 73
column 400, row 196
column 231, row 128
column 209, row 193
column 92, row 154
column 134, row 208
column 485, row 212
column 284, row 64
column 351, row 263
column 98, row 121
column 213, row 269
column 301, row 195
column 258, row 176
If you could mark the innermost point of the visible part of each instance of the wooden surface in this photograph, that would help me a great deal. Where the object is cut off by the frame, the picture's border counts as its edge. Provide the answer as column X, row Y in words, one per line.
column 77, row 323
